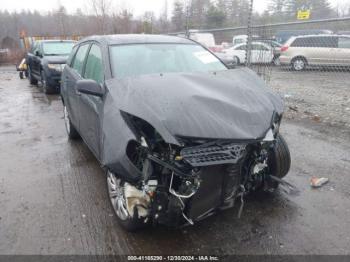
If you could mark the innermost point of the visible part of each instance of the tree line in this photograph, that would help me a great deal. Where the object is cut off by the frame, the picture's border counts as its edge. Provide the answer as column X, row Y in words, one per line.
column 102, row 18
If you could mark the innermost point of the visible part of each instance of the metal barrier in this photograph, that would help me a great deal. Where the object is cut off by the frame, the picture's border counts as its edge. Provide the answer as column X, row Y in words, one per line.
column 307, row 62
column 264, row 44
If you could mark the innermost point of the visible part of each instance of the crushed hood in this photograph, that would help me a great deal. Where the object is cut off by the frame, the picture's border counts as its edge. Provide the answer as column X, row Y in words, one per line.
column 231, row 104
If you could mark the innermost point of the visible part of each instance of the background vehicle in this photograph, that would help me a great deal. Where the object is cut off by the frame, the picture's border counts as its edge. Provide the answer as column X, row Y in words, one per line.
column 260, row 53
column 241, row 39
column 276, row 50
column 175, row 136
column 206, row 39
column 282, row 36
column 45, row 62
column 325, row 50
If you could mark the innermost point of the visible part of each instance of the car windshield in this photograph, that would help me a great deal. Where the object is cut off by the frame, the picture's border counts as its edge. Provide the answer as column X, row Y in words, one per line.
column 57, row 48
column 143, row 59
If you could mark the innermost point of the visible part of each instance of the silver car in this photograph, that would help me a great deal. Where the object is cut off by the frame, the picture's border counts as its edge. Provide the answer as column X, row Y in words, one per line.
column 309, row 50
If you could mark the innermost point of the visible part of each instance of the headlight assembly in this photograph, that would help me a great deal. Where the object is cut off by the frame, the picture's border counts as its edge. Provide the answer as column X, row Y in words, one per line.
column 276, row 121
column 56, row 67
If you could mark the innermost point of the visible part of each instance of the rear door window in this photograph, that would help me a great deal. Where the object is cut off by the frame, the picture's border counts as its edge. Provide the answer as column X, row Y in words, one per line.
column 94, row 66
column 259, row 47
column 78, row 63
column 344, row 42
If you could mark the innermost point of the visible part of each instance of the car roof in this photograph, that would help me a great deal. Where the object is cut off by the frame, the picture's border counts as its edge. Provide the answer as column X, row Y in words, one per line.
column 318, row 35
column 137, row 39
column 56, row 41
column 253, row 42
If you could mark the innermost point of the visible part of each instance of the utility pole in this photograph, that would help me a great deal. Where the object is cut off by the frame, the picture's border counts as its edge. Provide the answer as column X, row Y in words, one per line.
column 249, row 34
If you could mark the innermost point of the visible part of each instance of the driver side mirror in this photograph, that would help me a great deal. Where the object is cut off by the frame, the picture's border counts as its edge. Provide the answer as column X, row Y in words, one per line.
column 90, row 87
column 37, row 53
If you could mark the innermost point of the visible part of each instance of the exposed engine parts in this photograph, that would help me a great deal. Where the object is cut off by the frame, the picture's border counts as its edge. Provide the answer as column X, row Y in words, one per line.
column 180, row 185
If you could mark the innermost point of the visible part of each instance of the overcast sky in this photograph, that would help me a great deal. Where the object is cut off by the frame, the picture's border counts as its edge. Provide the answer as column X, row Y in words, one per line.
column 137, row 6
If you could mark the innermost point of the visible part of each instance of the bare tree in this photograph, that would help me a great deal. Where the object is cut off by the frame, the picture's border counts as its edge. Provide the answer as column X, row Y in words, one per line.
column 148, row 20
column 61, row 18
column 101, row 9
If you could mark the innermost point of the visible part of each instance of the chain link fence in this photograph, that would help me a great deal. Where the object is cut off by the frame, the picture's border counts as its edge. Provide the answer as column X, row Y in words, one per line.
column 307, row 62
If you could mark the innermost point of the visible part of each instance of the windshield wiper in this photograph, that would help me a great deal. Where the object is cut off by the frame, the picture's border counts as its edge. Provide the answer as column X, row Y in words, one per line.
column 55, row 54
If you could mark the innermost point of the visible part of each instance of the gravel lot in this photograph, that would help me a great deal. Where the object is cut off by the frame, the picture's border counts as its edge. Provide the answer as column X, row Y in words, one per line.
column 320, row 95
column 53, row 197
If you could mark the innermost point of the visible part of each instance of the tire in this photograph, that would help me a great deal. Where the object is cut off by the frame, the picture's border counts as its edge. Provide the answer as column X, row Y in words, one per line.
column 31, row 79
column 279, row 158
column 236, row 61
column 299, row 64
column 118, row 202
column 71, row 131
column 46, row 88
column 276, row 61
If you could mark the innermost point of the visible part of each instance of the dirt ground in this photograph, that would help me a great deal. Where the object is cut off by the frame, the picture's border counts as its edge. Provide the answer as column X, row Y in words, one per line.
column 53, row 197
column 320, row 95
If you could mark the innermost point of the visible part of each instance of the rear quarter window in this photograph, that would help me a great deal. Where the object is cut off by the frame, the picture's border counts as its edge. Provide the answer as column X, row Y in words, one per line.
column 344, row 42
column 328, row 42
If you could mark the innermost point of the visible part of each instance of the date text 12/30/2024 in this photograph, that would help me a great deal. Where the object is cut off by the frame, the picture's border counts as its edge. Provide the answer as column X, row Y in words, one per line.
column 173, row 258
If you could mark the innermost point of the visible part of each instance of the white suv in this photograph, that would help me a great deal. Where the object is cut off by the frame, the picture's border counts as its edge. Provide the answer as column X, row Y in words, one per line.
column 328, row 50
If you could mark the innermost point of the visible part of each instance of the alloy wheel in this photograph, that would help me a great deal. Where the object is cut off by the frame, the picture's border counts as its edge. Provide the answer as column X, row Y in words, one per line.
column 299, row 64
column 66, row 119
column 116, row 196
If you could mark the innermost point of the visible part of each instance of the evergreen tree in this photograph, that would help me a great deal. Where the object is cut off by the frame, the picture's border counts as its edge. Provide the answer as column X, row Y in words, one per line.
column 215, row 18
column 197, row 13
column 277, row 7
column 277, row 11
column 319, row 9
column 178, row 17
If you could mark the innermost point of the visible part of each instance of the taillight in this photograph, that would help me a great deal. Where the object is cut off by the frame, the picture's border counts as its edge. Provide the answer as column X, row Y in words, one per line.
column 284, row 48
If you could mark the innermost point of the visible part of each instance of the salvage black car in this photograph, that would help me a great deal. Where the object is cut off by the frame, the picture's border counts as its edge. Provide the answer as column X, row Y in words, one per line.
column 45, row 62
column 179, row 134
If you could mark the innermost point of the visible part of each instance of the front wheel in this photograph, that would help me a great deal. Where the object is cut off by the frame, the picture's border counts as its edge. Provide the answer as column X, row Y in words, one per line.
column 71, row 131
column 45, row 85
column 277, row 61
column 236, row 60
column 279, row 159
column 116, row 192
column 31, row 79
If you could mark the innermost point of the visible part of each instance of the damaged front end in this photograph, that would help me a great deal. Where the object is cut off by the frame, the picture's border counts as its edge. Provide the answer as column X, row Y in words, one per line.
column 184, row 183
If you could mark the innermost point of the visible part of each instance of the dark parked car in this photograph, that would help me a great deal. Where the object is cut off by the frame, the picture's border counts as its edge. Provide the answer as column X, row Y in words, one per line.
column 45, row 62
column 179, row 134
